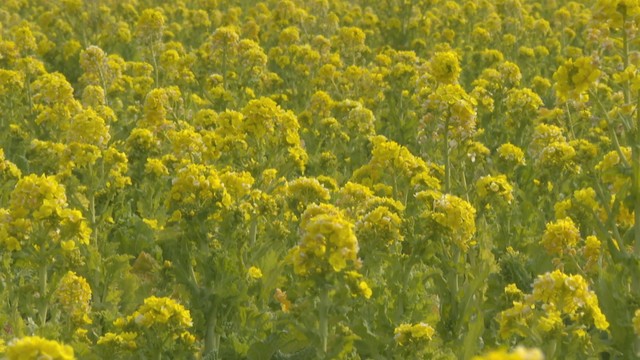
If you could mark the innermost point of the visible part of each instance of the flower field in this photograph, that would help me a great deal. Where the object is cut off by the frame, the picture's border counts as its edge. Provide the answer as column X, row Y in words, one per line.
column 319, row 179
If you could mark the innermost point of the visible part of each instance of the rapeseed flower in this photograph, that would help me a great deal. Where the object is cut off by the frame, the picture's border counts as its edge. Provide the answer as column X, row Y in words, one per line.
column 445, row 67
column 407, row 333
column 36, row 348
column 519, row 353
column 328, row 242
column 574, row 78
column 495, row 185
column 74, row 296
column 560, row 237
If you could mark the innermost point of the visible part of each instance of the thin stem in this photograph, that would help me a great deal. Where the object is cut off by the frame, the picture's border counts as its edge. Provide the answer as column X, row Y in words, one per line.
column 324, row 319
column 44, row 307
column 570, row 121
column 616, row 143
column 625, row 56
column 636, row 181
column 447, row 161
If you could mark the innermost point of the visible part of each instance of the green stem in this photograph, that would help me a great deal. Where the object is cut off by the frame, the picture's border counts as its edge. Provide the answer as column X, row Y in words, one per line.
column 44, row 306
column 155, row 65
column 614, row 242
column 636, row 181
column 253, row 231
column 447, row 161
column 614, row 136
column 625, row 56
column 212, row 338
column 570, row 121
column 324, row 319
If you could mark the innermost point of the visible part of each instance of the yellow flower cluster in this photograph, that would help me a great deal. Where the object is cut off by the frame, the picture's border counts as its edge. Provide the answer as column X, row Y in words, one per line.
column 636, row 322
column 161, row 312
column 495, row 186
column 197, row 188
column 592, row 252
column 445, row 67
column 125, row 340
column 254, row 273
column 328, row 242
column 557, row 299
column 39, row 197
column 160, row 321
column 458, row 109
column 390, row 159
column 551, row 150
column 574, row 78
column 512, row 154
column 36, row 348
column 560, row 237
column 303, row 191
column 455, row 217
column 8, row 169
column 39, row 203
column 612, row 168
column 615, row 12
column 74, row 296
column 408, row 333
column 519, row 353
column 380, row 225
column 357, row 284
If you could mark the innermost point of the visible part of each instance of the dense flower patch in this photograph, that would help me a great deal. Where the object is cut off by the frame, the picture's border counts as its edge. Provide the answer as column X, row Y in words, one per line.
column 324, row 179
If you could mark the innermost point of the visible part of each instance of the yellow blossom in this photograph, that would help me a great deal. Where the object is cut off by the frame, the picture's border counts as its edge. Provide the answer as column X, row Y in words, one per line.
column 35, row 348
column 74, row 295
column 560, row 236
column 445, row 67
column 254, row 272
column 573, row 78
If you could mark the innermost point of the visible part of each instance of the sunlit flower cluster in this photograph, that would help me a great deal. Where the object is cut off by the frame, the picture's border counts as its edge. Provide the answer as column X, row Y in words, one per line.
column 406, row 333
column 328, row 242
column 557, row 300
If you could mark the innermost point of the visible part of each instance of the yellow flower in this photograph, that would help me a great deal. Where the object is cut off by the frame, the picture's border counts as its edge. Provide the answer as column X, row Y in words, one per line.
column 405, row 333
column 36, row 348
column 150, row 25
column 155, row 167
column 125, row 340
column 519, row 353
column 281, row 297
column 511, row 153
column 422, row 330
column 615, row 11
column 551, row 320
column 451, row 102
column 328, row 242
column 162, row 312
column 380, row 226
column 456, row 216
column 254, row 272
column 636, row 322
column 74, row 295
column 592, row 252
column 7, row 168
column 495, row 185
column 573, row 78
column 39, row 196
column 512, row 289
column 445, row 67
column 560, row 236
column 365, row 290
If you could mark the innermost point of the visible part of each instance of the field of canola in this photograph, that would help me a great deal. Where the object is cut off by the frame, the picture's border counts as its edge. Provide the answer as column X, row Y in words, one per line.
column 319, row 179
